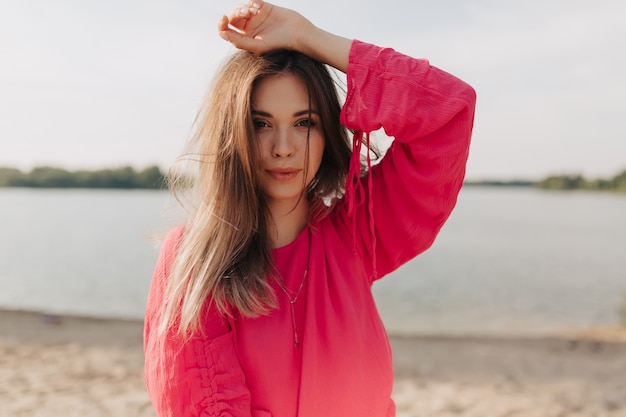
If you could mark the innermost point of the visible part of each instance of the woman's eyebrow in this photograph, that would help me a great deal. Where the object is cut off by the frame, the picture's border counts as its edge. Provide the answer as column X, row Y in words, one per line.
column 296, row 114
column 303, row 112
column 260, row 113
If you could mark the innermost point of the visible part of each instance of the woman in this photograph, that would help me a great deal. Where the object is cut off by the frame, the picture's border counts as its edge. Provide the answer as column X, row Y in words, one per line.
column 261, row 303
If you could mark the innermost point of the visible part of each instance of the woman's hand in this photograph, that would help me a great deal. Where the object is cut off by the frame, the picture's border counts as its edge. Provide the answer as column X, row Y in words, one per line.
column 260, row 27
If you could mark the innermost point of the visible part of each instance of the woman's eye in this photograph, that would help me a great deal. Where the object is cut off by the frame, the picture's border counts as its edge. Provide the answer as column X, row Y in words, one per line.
column 259, row 124
column 305, row 123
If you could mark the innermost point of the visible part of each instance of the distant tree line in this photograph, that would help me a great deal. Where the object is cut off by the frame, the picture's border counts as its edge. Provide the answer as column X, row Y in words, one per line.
column 578, row 182
column 562, row 182
column 497, row 183
column 52, row 177
column 152, row 178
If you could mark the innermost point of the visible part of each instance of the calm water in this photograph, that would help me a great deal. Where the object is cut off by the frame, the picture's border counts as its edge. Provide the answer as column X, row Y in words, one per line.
column 508, row 261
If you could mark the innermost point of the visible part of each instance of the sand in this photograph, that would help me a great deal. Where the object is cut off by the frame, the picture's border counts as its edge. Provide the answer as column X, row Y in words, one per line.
column 70, row 366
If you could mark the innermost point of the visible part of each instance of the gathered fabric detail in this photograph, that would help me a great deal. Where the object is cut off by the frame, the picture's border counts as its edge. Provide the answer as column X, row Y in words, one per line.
column 355, row 193
column 223, row 389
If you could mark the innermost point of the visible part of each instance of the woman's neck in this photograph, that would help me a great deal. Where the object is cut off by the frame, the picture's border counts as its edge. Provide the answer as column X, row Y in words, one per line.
column 286, row 221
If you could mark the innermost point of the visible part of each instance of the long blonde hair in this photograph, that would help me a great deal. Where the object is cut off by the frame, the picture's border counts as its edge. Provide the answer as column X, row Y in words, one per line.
column 224, row 256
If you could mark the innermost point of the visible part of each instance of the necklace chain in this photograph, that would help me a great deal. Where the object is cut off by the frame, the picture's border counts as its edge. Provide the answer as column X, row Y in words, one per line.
column 292, row 300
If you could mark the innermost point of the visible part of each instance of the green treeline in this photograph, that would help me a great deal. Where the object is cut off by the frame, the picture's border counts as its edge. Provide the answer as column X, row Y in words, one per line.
column 52, row 177
column 562, row 182
column 578, row 182
column 497, row 183
column 152, row 178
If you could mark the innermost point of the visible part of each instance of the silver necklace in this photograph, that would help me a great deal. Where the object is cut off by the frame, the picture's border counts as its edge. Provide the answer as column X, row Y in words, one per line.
column 292, row 300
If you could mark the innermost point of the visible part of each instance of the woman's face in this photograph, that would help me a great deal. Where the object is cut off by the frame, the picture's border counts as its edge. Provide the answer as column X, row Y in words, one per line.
column 280, row 113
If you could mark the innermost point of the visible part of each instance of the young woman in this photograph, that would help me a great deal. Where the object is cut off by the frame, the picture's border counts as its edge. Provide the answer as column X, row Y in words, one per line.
column 261, row 302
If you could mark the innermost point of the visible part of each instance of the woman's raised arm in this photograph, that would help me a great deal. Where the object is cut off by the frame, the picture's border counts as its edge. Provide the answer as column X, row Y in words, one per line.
column 260, row 27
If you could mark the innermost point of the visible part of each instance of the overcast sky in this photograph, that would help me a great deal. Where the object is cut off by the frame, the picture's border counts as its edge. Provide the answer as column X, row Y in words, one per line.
column 91, row 84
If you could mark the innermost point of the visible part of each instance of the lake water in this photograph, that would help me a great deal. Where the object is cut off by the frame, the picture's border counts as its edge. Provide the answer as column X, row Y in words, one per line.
column 509, row 261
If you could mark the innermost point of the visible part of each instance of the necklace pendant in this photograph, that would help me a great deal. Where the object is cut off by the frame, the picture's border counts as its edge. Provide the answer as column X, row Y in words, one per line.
column 292, row 300
column 296, row 343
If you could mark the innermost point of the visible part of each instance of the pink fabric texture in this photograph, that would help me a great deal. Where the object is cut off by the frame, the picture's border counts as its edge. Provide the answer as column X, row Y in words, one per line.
column 343, row 367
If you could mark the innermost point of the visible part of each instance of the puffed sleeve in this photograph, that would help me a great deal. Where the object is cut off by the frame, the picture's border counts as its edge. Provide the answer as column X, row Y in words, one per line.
column 200, row 376
column 409, row 195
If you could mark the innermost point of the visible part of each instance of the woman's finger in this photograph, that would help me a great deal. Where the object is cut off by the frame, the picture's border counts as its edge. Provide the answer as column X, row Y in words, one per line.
column 237, row 39
column 222, row 28
column 241, row 14
column 244, row 42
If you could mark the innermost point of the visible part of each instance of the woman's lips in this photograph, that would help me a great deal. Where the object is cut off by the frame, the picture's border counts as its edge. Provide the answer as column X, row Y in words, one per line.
column 283, row 174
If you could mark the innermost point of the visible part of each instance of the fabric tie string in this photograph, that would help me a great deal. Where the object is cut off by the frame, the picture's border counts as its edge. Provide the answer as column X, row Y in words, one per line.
column 355, row 193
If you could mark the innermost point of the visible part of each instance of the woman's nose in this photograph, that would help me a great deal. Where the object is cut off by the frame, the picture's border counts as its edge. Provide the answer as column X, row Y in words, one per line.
column 283, row 145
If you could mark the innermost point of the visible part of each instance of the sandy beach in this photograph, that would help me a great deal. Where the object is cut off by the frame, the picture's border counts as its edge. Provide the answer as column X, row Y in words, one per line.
column 71, row 366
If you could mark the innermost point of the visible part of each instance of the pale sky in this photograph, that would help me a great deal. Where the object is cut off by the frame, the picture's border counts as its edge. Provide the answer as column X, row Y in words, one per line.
column 92, row 84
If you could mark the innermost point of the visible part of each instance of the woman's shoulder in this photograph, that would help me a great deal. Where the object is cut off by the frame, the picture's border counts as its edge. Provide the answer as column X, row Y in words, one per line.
column 174, row 235
column 171, row 241
column 333, row 220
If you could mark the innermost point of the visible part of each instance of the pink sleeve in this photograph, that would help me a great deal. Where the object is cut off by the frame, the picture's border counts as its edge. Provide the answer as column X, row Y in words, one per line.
column 198, row 377
column 414, row 188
